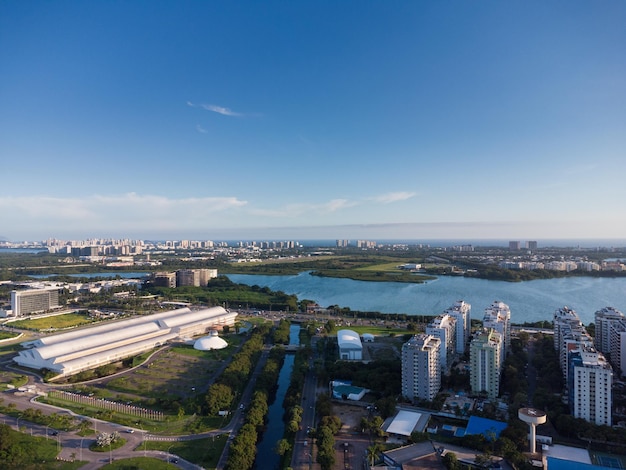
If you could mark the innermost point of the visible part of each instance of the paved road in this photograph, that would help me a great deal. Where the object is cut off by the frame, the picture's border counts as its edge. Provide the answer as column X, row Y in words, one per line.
column 303, row 457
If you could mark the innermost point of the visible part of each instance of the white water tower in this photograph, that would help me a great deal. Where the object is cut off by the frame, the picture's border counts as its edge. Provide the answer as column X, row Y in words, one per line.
column 532, row 417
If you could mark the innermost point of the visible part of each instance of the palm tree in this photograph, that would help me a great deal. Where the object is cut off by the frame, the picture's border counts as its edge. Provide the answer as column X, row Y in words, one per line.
column 372, row 452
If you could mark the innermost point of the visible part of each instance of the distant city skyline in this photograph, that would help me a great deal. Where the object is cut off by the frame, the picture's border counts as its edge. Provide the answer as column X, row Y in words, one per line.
column 313, row 120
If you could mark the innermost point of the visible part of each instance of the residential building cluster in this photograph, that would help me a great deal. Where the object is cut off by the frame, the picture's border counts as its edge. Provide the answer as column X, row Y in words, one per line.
column 184, row 277
column 426, row 356
column 588, row 375
column 567, row 266
column 518, row 245
column 365, row 244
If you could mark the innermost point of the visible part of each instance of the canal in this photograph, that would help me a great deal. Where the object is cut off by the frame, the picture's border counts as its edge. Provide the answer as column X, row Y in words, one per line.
column 266, row 457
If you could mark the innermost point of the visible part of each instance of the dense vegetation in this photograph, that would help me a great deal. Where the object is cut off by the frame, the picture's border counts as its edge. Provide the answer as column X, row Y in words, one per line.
column 21, row 451
column 222, row 291
column 242, row 452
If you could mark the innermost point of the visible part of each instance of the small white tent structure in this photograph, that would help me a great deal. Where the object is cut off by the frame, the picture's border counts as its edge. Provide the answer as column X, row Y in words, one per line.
column 207, row 343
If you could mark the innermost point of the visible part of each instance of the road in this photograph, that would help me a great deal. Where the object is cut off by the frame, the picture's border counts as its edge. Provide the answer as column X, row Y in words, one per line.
column 74, row 447
column 303, row 457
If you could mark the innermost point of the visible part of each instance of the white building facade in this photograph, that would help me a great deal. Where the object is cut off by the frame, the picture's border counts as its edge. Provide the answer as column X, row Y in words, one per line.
column 421, row 370
column 485, row 362
column 444, row 328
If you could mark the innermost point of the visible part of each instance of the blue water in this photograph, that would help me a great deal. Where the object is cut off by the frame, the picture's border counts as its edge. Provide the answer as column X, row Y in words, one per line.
column 266, row 457
column 529, row 301
column 23, row 250
column 123, row 275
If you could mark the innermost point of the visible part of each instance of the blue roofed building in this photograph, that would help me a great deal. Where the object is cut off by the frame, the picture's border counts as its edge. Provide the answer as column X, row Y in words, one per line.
column 489, row 428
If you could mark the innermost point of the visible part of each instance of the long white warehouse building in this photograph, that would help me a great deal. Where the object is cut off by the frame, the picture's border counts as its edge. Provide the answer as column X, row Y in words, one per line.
column 88, row 348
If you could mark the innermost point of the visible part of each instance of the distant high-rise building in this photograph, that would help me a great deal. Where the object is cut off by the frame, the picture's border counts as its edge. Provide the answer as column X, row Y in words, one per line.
column 485, row 363
column 515, row 245
column 342, row 243
column 164, row 279
column 421, row 371
column 532, row 245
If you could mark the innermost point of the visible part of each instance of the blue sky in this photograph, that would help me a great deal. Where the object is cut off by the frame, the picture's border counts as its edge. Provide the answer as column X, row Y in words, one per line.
column 320, row 119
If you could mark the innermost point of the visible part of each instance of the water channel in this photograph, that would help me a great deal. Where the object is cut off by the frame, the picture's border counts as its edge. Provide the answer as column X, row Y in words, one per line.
column 266, row 457
column 529, row 301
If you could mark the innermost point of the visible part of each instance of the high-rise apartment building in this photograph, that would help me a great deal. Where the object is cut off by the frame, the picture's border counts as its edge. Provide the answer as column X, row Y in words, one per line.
column 28, row 301
column 590, row 386
column 485, row 363
column 421, row 371
column 588, row 375
column 604, row 318
column 498, row 317
column 444, row 328
column 515, row 245
column 461, row 311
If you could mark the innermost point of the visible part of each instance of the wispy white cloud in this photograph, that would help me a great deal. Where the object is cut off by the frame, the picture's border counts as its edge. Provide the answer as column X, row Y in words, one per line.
column 216, row 109
column 296, row 210
column 201, row 129
column 393, row 197
column 122, row 213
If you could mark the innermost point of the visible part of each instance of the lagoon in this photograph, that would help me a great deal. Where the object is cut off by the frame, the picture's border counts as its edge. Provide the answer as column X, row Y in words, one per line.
column 529, row 301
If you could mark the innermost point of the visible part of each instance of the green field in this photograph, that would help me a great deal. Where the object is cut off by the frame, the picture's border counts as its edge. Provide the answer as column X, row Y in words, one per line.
column 56, row 322
column 203, row 452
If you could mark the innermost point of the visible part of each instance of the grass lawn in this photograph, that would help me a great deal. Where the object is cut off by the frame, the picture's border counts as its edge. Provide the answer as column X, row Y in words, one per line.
column 378, row 330
column 66, row 320
column 203, row 452
column 383, row 267
column 32, row 452
column 8, row 334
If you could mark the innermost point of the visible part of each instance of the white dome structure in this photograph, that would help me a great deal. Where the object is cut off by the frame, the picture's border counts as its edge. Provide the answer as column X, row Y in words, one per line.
column 206, row 343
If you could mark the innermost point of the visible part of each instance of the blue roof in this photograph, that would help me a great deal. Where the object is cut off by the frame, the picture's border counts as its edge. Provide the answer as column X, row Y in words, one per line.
column 561, row 464
column 484, row 426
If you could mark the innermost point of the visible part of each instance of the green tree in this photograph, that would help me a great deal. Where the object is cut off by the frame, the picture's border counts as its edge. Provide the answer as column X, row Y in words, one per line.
column 219, row 397
column 282, row 447
column 451, row 461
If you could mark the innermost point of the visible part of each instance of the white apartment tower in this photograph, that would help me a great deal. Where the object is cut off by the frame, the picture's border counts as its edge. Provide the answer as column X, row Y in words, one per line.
column 588, row 375
column 485, row 362
column 498, row 317
column 603, row 319
column 589, row 387
column 421, row 371
column 444, row 328
column 461, row 312
column 617, row 336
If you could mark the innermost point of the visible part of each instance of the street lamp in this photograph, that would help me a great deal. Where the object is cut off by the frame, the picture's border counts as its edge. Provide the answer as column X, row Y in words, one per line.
column 18, row 422
column 81, row 449
column 143, row 437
